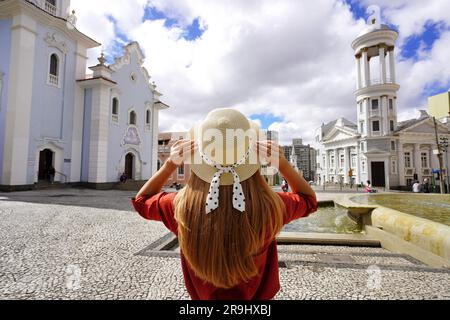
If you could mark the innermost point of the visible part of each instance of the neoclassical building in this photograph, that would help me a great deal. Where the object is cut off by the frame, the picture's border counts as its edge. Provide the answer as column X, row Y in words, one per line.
column 377, row 147
column 89, row 127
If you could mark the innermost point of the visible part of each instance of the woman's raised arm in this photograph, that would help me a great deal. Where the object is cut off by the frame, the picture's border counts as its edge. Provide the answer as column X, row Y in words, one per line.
column 178, row 153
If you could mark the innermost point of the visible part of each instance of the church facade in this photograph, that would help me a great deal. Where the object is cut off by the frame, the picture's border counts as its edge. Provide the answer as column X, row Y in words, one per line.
column 378, row 148
column 89, row 128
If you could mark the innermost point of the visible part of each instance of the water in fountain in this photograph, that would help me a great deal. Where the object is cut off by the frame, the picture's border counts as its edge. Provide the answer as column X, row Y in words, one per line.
column 325, row 220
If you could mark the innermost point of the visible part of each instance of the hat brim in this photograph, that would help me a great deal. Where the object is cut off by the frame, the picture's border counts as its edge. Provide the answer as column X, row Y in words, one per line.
column 206, row 172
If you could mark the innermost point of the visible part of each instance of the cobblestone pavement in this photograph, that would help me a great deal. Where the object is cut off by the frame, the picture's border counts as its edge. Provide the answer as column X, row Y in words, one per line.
column 83, row 244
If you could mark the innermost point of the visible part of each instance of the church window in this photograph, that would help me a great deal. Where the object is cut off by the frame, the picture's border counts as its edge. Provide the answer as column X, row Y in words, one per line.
column 391, row 104
column 376, row 126
column 341, row 161
column 148, row 119
column 181, row 170
column 332, row 161
column 375, row 104
column 391, row 125
column 115, row 110
column 353, row 162
column 53, row 75
column 407, row 159
column 424, row 159
column 132, row 118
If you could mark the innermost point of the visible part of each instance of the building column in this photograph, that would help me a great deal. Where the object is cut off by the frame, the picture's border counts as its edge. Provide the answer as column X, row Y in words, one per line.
column 387, row 173
column 366, row 119
column 346, row 164
column 417, row 161
column 98, row 149
column 78, row 112
column 358, row 164
column 327, row 166
column 16, row 155
column 401, row 164
column 392, row 65
column 382, row 64
column 336, row 164
column 358, row 72
column 365, row 58
column 384, row 108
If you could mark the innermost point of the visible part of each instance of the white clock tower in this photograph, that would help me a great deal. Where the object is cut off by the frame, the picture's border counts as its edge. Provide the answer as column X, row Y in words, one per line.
column 376, row 87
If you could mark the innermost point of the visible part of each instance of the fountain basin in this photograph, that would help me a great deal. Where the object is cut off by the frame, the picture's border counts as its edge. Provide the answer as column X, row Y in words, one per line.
column 411, row 232
column 327, row 220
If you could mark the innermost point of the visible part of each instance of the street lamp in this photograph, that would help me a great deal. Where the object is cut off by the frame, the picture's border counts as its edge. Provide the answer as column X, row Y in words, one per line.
column 443, row 144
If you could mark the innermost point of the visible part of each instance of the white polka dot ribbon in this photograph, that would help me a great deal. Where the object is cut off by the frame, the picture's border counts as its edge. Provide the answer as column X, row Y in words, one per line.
column 212, row 201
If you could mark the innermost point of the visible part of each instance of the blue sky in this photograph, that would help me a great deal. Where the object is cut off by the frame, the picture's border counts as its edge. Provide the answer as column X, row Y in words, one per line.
column 192, row 31
column 266, row 119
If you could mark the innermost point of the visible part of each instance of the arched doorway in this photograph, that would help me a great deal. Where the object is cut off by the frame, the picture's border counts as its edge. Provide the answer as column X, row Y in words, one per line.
column 45, row 162
column 129, row 165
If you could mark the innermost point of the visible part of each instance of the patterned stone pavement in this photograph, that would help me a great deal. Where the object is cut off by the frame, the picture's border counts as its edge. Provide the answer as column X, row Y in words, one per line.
column 84, row 244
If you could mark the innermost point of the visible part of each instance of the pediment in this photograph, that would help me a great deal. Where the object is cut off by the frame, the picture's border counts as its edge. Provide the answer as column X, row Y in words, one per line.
column 427, row 126
column 337, row 134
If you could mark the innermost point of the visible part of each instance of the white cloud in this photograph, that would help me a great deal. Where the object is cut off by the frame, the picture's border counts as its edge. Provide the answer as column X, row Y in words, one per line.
column 292, row 59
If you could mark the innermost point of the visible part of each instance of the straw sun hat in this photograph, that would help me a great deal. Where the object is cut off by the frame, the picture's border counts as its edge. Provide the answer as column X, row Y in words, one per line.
column 226, row 153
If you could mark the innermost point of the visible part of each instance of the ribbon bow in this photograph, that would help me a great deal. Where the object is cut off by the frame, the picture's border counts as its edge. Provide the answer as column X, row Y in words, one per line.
column 212, row 201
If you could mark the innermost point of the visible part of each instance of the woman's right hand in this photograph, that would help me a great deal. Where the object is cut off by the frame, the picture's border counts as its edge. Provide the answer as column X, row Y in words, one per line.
column 271, row 152
column 181, row 150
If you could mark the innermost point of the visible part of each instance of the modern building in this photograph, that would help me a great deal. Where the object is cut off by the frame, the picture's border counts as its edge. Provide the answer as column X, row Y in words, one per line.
column 439, row 106
column 302, row 158
column 377, row 147
column 272, row 136
column 89, row 128
column 165, row 142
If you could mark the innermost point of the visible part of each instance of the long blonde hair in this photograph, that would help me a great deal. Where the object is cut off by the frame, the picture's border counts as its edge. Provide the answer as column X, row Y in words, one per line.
column 220, row 246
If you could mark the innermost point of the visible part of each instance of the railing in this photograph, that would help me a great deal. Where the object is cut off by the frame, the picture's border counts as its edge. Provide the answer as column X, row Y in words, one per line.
column 50, row 8
column 378, row 81
column 53, row 80
column 63, row 175
column 115, row 118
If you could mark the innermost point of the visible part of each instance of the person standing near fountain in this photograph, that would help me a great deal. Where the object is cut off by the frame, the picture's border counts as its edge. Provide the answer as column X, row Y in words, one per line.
column 227, row 217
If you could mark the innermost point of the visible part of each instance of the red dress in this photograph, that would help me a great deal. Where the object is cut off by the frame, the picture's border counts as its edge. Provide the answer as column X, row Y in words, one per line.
column 262, row 287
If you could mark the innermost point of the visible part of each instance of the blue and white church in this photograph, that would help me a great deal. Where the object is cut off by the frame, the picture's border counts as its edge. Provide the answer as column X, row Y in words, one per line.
column 89, row 127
